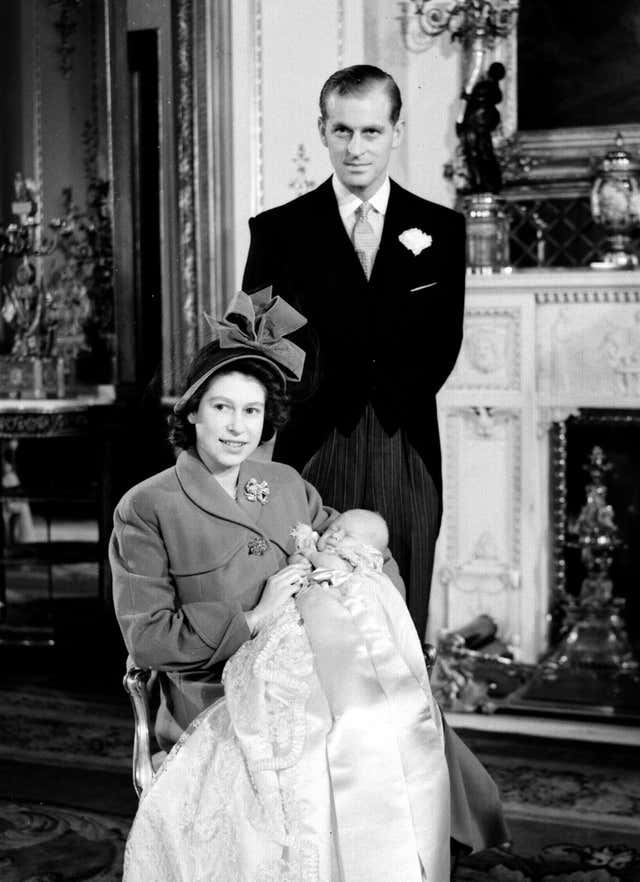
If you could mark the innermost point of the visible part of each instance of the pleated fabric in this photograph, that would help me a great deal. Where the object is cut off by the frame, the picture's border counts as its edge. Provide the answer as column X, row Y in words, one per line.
column 371, row 469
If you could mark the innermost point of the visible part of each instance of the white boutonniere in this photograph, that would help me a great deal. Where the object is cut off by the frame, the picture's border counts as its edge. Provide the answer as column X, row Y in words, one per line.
column 415, row 240
column 257, row 491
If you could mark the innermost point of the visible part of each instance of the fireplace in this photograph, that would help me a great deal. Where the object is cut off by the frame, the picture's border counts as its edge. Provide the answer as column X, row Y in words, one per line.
column 549, row 369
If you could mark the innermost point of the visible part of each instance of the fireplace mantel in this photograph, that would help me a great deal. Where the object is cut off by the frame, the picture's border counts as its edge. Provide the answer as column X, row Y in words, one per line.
column 538, row 347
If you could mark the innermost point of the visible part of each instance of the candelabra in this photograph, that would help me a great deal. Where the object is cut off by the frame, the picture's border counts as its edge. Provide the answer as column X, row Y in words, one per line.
column 47, row 306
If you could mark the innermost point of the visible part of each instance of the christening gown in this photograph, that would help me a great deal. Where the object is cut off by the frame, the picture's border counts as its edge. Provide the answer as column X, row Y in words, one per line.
column 324, row 762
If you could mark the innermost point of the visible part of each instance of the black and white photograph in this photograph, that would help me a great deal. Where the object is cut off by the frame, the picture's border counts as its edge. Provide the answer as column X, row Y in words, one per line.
column 319, row 441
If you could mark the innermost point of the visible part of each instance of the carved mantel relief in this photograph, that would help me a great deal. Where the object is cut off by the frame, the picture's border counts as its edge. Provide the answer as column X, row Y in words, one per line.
column 589, row 353
column 490, row 355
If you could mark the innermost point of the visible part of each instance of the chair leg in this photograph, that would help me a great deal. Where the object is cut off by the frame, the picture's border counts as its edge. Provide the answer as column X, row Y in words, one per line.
column 136, row 684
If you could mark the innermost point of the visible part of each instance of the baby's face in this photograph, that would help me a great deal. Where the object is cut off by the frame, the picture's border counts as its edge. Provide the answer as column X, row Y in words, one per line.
column 340, row 530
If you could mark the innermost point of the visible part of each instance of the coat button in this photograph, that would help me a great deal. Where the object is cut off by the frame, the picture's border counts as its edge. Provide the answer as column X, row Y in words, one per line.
column 257, row 545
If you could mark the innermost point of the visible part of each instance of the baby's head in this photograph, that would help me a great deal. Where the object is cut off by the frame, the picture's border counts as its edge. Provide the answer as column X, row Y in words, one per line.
column 356, row 525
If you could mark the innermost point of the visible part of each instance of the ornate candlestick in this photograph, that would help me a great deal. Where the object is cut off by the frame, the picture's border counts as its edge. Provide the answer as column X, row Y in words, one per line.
column 597, row 639
column 592, row 671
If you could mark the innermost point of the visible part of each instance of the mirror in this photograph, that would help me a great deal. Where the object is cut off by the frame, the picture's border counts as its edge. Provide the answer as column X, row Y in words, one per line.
column 570, row 89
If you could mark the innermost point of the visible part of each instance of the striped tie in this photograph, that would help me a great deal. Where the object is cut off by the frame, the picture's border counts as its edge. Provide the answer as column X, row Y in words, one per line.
column 365, row 240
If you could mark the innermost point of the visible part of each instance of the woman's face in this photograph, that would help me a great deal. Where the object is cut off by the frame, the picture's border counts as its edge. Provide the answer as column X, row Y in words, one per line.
column 229, row 420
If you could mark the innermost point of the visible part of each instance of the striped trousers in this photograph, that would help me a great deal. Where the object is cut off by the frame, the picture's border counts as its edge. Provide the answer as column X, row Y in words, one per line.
column 370, row 469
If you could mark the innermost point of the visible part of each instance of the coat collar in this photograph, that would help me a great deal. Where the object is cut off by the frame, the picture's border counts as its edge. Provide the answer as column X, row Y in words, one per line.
column 269, row 520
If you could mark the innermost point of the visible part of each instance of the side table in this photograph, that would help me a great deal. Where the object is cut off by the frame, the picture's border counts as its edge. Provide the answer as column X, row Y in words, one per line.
column 47, row 427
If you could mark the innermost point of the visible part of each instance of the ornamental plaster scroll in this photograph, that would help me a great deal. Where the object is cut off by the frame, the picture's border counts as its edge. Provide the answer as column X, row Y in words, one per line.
column 300, row 183
column 486, row 420
column 490, row 357
column 549, row 415
column 589, row 355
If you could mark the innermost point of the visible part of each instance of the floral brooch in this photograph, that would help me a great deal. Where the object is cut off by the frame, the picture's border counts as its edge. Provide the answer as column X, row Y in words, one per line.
column 415, row 240
column 257, row 491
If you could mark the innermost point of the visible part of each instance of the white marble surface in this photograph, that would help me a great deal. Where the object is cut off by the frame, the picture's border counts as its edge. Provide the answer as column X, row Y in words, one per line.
column 543, row 727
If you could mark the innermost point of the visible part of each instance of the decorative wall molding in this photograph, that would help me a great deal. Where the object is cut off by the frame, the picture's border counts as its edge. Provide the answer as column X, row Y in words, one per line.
column 547, row 416
column 484, row 424
column 491, row 350
column 186, row 197
column 66, row 25
column 340, row 41
column 587, row 296
column 300, row 183
column 257, row 196
column 38, row 156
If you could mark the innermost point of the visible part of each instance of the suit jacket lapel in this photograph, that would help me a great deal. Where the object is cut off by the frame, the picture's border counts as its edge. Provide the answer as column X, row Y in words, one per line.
column 391, row 251
column 337, row 247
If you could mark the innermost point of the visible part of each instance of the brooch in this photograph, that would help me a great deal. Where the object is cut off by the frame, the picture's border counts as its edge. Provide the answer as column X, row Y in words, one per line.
column 257, row 491
column 258, row 545
column 415, row 240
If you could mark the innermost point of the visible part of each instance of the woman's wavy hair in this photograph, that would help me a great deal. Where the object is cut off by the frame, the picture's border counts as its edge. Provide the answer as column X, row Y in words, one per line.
column 182, row 433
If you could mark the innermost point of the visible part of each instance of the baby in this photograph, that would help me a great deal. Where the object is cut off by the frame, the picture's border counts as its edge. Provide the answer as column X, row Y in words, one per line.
column 357, row 538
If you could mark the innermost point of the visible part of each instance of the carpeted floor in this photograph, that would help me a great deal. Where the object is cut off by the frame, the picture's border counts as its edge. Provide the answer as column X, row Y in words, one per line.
column 66, row 799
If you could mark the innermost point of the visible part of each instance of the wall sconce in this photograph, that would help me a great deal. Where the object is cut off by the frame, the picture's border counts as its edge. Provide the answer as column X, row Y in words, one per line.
column 463, row 20
column 476, row 24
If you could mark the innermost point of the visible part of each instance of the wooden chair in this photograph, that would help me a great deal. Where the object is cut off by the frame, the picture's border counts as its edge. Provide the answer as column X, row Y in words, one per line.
column 138, row 684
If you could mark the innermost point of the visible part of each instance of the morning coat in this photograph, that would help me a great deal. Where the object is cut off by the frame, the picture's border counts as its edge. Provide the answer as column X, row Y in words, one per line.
column 390, row 341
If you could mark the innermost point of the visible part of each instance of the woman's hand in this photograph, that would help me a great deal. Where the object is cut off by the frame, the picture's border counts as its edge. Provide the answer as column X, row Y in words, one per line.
column 277, row 590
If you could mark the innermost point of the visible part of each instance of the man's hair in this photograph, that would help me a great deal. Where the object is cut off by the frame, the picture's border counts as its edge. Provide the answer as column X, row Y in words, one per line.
column 357, row 80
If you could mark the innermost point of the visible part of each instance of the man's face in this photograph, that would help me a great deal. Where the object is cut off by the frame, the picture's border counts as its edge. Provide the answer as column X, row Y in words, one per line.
column 360, row 136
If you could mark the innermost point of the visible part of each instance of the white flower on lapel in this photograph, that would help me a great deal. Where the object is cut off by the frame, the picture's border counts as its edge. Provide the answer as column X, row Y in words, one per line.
column 415, row 240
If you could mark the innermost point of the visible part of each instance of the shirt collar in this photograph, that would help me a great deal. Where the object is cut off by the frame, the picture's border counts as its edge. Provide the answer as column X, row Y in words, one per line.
column 348, row 202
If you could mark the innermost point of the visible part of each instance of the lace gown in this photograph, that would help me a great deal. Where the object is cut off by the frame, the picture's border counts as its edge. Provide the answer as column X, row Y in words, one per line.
column 323, row 763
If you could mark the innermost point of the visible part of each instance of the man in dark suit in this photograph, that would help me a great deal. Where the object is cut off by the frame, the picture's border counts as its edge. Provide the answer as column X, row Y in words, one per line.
column 379, row 274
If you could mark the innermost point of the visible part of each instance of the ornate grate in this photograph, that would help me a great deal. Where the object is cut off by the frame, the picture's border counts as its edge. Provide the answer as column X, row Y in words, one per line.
column 553, row 232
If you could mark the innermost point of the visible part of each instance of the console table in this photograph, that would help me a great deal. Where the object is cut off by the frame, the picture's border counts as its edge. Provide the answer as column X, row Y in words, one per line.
column 46, row 424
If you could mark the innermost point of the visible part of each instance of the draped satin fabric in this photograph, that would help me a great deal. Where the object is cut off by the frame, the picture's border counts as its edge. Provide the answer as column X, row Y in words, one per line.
column 384, row 750
column 324, row 762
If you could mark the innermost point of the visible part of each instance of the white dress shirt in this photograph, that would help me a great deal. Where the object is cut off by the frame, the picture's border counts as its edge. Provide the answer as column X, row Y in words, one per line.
column 348, row 204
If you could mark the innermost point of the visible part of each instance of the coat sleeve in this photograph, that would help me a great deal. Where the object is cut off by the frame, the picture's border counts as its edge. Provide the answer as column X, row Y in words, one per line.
column 158, row 631
column 443, row 355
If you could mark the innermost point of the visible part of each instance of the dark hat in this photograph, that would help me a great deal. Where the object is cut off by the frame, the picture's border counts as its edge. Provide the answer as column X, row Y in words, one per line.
column 252, row 328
